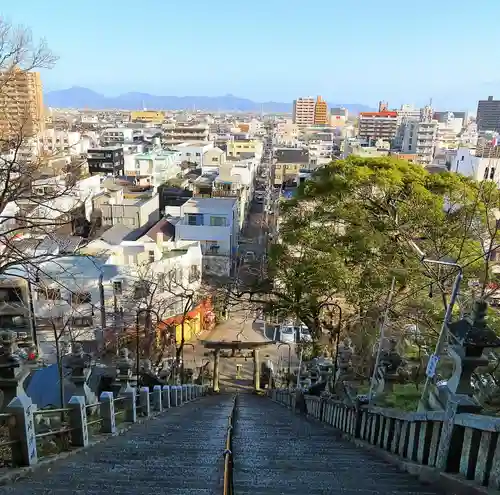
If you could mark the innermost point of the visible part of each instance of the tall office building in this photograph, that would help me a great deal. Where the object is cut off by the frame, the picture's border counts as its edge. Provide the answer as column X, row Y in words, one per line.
column 21, row 104
column 321, row 111
column 303, row 111
column 488, row 115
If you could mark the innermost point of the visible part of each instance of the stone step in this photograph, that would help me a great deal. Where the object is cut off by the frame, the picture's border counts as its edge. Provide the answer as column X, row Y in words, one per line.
column 278, row 452
column 178, row 452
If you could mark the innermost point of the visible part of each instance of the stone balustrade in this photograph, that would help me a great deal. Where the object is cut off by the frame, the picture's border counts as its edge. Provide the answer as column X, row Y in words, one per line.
column 79, row 418
column 464, row 446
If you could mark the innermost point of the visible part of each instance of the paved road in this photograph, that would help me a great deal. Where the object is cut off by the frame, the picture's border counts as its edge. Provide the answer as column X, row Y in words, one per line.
column 277, row 452
column 179, row 453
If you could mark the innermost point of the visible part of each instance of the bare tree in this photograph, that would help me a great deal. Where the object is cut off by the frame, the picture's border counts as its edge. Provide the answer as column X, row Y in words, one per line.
column 35, row 200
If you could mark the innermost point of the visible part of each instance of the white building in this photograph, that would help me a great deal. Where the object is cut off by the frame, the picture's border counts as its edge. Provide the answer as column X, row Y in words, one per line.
column 51, row 142
column 420, row 137
column 155, row 167
column 213, row 222
column 116, row 135
column 193, row 152
column 286, row 133
column 466, row 163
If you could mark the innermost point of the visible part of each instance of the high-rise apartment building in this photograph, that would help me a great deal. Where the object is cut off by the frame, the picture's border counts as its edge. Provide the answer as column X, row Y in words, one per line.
column 303, row 111
column 308, row 111
column 488, row 115
column 378, row 125
column 321, row 111
column 21, row 104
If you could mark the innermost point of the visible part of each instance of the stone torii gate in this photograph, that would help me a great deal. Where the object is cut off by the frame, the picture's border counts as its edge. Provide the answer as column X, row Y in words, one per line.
column 233, row 346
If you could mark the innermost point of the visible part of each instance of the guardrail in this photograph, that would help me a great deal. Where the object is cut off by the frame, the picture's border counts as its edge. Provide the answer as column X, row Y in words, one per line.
column 228, row 452
column 459, row 447
column 21, row 421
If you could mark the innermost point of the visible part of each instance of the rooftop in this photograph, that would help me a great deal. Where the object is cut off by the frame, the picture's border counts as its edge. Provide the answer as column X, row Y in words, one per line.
column 292, row 155
column 212, row 205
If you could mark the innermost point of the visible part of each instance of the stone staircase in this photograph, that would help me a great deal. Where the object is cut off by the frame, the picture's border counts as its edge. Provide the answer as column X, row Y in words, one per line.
column 278, row 452
column 178, row 452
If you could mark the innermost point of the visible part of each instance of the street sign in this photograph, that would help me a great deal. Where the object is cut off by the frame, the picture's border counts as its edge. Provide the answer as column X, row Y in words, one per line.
column 432, row 365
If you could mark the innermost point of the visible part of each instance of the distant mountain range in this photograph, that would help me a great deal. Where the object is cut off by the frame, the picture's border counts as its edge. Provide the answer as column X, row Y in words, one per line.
column 84, row 98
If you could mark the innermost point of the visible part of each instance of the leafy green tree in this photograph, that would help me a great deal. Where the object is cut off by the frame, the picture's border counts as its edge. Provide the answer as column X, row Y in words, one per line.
column 352, row 228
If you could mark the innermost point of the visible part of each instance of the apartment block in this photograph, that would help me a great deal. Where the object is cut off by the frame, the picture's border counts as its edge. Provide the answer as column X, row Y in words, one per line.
column 321, row 112
column 21, row 104
column 106, row 160
column 303, row 111
column 378, row 125
column 147, row 116
column 488, row 115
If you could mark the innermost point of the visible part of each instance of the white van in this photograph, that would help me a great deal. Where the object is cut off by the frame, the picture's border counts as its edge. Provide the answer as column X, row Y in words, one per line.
column 291, row 333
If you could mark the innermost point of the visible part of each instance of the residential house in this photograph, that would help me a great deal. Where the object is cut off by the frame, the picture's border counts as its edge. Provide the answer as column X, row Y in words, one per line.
column 288, row 164
column 236, row 148
column 155, row 167
column 112, row 208
column 215, row 223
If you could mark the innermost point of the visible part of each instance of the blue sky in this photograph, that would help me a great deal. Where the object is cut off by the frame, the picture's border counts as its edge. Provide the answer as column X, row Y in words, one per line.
column 349, row 52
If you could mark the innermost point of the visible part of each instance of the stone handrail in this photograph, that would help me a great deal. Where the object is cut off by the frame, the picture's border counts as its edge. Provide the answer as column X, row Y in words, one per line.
column 464, row 446
column 20, row 414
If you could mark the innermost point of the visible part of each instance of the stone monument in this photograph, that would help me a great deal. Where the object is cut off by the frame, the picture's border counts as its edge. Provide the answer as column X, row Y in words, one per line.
column 12, row 374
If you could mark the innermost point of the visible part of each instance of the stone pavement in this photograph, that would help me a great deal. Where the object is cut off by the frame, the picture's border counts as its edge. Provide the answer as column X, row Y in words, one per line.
column 277, row 452
column 179, row 453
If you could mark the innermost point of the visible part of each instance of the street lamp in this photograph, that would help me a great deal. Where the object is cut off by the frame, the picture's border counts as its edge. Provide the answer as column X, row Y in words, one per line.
column 148, row 311
column 289, row 360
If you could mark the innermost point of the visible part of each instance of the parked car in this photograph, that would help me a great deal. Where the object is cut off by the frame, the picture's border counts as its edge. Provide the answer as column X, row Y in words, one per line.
column 292, row 333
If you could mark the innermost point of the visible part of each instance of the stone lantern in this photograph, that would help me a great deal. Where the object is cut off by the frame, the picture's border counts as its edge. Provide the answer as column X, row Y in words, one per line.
column 469, row 338
column 124, row 367
column 79, row 364
column 12, row 374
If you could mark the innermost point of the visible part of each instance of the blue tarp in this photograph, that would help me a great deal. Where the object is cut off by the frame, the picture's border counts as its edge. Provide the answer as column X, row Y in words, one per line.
column 43, row 388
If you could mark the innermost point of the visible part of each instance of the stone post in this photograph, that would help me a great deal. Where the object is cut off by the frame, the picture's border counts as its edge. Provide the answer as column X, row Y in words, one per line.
column 157, row 398
column 256, row 370
column 12, row 375
column 23, row 430
column 144, row 401
column 166, row 396
column 179, row 395
column 107, row 410
column 79, row 363
column 173, row 396
column 130, row 405
column 184, row 389
column 78, row 421
column 215, row 379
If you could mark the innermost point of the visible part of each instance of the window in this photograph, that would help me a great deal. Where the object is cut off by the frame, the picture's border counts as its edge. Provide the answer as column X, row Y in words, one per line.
column 82, row 321
column 195, row 219
column 151, row 255
column 198, row 154
column 117, row 287
column 492, row 173
column 218, row 221
column 463, row 157
column 486, row 170
column 194, row 274
column 215, row 159
column 81, row 298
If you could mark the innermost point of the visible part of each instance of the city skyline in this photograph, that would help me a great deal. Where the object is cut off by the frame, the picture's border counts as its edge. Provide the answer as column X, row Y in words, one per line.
column 197, row 49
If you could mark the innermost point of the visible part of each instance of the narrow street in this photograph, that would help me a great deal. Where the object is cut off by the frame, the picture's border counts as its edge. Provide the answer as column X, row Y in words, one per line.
column 244, row 322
